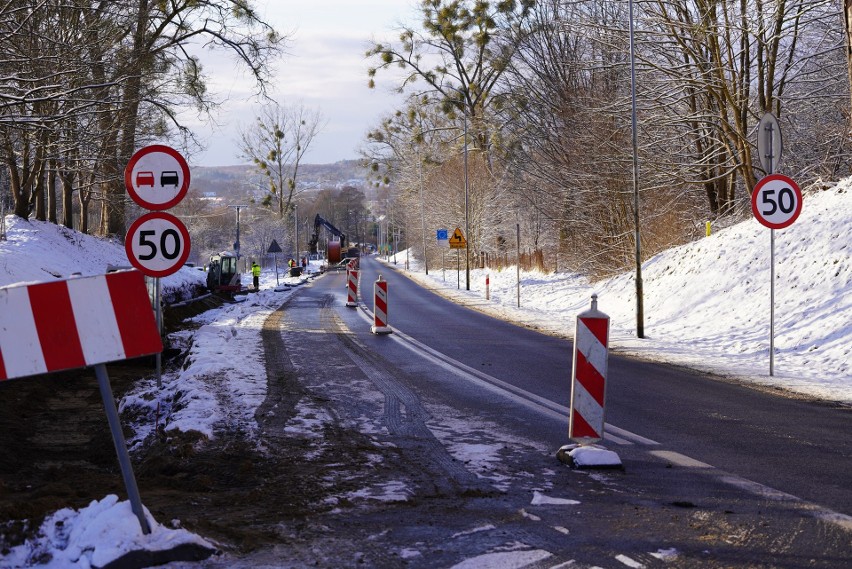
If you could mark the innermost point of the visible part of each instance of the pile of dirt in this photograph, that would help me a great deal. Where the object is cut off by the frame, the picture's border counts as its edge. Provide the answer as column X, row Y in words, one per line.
column 56, row 452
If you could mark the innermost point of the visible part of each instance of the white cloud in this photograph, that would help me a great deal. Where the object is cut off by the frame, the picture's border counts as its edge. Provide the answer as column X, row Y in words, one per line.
column 324, row 69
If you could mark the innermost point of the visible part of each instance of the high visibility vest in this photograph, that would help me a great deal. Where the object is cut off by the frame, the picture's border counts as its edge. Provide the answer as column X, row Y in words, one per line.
column 255, row 270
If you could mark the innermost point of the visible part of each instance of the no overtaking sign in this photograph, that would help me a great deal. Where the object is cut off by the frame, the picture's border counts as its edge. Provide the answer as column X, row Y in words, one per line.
column 157, row 177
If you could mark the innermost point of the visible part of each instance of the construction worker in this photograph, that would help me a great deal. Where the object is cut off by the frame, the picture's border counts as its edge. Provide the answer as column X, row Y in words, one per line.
column 255, row 273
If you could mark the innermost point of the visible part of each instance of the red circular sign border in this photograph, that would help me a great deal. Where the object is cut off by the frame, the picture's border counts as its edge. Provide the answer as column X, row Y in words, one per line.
column 134, row 227
column 128, row 176
column 755, row 210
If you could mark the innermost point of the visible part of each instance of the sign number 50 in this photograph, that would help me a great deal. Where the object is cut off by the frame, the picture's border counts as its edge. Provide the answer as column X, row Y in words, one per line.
column 157, row 244
column 776, row 201
column 170, row 246
column 786, row 201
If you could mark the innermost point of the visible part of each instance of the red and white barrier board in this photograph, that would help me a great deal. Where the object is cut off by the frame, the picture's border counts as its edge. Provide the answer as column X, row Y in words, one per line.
column 588, row 386
column 380, row 308
column 352, row 287
column 75, row 323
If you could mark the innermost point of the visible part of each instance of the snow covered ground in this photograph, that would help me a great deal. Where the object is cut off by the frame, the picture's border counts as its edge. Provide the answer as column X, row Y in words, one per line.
column 706, row 306
column 707, row 303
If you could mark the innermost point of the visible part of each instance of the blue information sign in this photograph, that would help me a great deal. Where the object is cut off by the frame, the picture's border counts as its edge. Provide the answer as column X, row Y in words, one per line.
column 443, row 235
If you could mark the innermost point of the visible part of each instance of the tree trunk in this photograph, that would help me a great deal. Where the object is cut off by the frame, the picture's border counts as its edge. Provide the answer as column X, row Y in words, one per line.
column 39, row 193
column 67, row 198
column 19, row 192
column 52, row 205
column 85, row 198
column 847, row 19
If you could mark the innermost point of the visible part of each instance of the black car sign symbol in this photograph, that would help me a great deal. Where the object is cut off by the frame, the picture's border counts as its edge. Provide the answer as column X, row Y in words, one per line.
column 169, row 178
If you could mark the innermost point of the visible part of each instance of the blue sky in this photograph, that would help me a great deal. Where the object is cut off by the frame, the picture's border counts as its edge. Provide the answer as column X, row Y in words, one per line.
column 325, row 69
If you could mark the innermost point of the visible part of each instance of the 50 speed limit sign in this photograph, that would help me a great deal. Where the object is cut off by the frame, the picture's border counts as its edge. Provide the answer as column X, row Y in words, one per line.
column 157, row 244
column 776, row 201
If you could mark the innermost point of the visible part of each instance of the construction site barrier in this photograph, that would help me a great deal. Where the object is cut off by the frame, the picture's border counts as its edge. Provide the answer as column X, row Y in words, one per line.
column 588, row 383
column 352, row 287
column 380, row 308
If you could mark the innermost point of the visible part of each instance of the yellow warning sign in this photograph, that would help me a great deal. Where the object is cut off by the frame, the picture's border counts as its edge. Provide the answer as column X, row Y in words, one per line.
column 457, row 240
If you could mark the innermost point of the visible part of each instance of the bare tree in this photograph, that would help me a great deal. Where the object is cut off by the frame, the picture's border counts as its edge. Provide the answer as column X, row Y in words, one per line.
column 719, row 66
column 111, row 72
column 276, row 145
column 460, row 54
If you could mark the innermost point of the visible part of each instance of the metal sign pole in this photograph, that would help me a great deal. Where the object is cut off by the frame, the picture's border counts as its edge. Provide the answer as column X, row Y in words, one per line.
column 518, row 230
column 770, row 157
column 121, row 448
column 772, row 302
column 159, row 312
column 769, row 148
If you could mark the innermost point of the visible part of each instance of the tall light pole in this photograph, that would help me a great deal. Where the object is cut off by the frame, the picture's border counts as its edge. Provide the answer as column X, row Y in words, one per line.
column 466, row 215
column 640, row 311
column 466, row 193
column 296, row 224
column 422, row 213
column 237, row 242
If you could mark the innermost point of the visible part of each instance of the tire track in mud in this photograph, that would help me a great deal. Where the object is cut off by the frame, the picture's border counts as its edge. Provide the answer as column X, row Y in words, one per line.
column 283, row 387
column 405, row 416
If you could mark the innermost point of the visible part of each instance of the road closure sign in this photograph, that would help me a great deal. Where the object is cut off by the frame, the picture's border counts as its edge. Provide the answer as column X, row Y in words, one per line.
column 776, row 201
column 157, row 177
column 157, row 244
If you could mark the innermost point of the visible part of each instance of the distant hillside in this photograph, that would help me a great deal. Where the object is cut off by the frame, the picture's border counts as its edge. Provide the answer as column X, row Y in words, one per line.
column 225, row 180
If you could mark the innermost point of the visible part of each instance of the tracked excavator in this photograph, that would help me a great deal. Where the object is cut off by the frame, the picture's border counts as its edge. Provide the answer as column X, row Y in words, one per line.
column 222, row 275
column 335, row 248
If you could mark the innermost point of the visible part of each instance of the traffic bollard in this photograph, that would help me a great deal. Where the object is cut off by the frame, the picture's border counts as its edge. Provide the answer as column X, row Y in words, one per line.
column 588, row 384
column 352, row 288
column 380, row 308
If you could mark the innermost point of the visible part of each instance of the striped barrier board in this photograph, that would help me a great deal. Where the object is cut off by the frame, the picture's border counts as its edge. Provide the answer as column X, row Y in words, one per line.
column 380, row 308
column 81, row 322
column 352, row 288
column 75, row 323
column 588, row 385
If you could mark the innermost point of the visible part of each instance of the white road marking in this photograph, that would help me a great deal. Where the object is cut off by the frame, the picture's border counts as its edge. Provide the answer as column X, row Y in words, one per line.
column 629, row 562
column 622, row 436
column 679, row 459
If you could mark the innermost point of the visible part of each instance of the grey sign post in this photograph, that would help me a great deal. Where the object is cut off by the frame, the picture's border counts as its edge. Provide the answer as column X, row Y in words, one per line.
column 769, row 147
column 769, row 143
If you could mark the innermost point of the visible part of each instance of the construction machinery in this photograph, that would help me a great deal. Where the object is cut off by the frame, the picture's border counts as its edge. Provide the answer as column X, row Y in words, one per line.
column 222, row 274
column 334, row 247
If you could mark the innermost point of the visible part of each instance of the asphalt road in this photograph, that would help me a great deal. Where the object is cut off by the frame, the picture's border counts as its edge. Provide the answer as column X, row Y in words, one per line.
column 792, row 445
column 466, row 414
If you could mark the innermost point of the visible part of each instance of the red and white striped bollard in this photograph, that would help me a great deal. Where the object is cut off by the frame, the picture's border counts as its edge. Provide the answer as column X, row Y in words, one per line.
column 380, row 307
column 588, row 385
column 352, row 288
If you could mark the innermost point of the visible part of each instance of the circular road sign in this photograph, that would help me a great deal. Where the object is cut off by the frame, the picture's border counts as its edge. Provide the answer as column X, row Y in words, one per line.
column 157, row 177
column 157, row 244
column 776, row 201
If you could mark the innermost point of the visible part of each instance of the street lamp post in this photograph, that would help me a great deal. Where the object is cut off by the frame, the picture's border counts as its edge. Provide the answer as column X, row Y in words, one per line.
column 466, row 208
column 237, row 242
column 640, row 311
column 422, row 213
column 296, row 223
